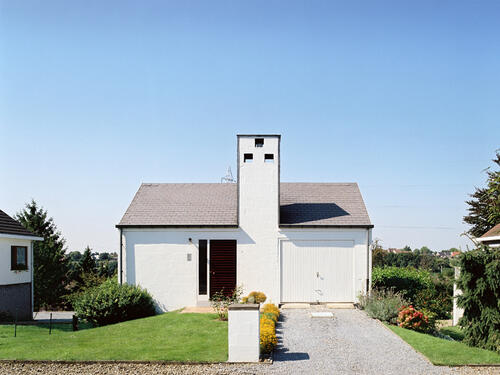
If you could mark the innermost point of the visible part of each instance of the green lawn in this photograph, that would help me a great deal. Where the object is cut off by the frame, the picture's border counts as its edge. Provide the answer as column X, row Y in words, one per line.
column 454, row 332
column 445, row 352
column 170, row 337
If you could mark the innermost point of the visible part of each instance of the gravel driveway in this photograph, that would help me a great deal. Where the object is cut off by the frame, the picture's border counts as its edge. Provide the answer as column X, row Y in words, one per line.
column 350, row 343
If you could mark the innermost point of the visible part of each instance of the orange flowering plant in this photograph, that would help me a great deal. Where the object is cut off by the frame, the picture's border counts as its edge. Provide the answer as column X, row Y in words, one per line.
column 411, row 318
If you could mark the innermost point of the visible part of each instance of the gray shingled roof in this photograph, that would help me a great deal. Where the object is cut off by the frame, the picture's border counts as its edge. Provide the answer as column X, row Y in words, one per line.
column 10, row 226
column 302, row 204
column 322, row 204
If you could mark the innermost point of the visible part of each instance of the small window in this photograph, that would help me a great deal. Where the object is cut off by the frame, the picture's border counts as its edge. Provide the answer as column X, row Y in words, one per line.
column 248, row 158
column 202, row 267
column 18, row 258
column 269, row 158
column 259, row 142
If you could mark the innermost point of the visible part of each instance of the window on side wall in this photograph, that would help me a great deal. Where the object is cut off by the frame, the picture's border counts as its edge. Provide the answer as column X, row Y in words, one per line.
column 19, row 258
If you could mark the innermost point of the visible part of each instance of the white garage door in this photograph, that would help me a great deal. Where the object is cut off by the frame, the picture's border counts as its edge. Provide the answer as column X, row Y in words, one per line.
column 317, row 271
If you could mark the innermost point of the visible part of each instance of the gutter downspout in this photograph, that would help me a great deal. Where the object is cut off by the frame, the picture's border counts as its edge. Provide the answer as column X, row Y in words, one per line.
column 368, row 262
column 121, row 260
column 32, row 281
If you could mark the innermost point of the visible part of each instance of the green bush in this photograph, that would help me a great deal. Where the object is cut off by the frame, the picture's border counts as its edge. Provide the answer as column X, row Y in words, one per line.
column 111, row 303
column 480, row 284
column 382, row 304
column 407, row 281
column 438, row 300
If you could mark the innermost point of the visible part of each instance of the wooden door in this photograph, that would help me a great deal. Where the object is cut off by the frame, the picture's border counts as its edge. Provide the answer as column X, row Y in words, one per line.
column 222, row 266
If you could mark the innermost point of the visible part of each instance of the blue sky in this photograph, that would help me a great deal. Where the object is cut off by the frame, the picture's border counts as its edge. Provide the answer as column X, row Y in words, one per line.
column 97, row 97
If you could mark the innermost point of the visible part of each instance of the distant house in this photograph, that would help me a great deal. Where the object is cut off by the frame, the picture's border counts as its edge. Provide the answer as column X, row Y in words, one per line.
column 16, row 268
column 296, row 242
column 398, row 251
column 491, row 237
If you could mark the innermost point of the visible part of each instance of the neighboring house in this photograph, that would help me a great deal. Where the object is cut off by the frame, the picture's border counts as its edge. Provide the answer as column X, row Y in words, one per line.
column 16, row 268
column 491, row 237
column 296, row 242
column 397, row 251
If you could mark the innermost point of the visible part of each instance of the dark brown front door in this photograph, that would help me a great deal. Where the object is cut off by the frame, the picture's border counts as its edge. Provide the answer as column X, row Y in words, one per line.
column 222, row 266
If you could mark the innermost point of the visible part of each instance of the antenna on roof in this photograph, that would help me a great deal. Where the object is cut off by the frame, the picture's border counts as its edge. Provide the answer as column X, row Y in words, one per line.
column 228, row 178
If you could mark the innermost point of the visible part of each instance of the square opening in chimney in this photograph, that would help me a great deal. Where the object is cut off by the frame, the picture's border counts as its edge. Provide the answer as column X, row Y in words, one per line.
column 269, row 158
column 259, row 142
column 247, row 158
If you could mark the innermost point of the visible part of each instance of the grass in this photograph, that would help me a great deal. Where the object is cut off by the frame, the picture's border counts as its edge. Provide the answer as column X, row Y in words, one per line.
column 444, row 352
column 454, row 332
column 169, row 337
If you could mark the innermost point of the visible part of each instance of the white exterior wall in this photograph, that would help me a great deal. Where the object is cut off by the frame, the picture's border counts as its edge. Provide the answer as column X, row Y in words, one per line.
column 7, row 276
column 156, row 259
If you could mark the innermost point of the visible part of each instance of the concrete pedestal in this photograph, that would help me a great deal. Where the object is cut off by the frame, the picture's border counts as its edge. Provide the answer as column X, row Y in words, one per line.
column 244, row 333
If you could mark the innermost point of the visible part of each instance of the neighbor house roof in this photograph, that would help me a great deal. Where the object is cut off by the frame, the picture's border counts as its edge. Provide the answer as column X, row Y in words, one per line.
column 493, row 232
column 192, row 205
column 10, row 226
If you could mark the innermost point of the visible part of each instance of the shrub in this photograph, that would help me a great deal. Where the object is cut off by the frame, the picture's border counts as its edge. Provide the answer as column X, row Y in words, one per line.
column 382, row 304
column 271, row 316
column 111, row 303
column 268, row 320
column 411, row 318
column 254, row 297
column 408, row 281
column 268, row 339
column 480, row 284
column 438, row 300
column 271, row 309
column 221, row 300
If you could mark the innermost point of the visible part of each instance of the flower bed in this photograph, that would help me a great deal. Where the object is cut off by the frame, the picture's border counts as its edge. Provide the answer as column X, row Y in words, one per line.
column 268, row 320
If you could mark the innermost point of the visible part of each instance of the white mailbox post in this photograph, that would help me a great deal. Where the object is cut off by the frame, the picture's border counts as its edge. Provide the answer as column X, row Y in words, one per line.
column 244, row 333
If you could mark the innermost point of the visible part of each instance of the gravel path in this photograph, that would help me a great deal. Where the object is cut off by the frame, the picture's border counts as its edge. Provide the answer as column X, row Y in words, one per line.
column 350, row 343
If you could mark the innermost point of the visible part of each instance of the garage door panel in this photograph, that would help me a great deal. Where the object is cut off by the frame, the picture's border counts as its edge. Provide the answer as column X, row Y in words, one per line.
column 317, row 271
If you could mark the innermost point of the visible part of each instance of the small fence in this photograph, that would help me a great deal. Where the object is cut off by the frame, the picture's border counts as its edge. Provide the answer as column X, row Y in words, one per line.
column 50, row 322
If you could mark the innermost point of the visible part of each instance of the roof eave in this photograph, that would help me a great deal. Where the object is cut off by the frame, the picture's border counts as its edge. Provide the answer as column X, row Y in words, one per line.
column 364, row 226
column 21, row 236
column 145, row 226
column 489, row 238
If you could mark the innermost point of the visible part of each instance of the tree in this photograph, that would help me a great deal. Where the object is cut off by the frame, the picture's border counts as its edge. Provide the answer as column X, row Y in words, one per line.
column 49, row 262
column 87, row 262
column 378, row 255
column 484, row 207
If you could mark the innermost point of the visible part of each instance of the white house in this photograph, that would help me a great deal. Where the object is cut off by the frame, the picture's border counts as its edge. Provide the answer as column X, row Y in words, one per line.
column 296, row 242
column 16, row 266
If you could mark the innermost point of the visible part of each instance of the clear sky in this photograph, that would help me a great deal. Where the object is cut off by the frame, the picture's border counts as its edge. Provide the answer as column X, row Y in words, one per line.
column 96, row 97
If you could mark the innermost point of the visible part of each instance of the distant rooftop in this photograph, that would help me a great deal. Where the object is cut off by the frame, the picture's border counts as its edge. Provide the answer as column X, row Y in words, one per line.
column 495, row 231
column 10, row 226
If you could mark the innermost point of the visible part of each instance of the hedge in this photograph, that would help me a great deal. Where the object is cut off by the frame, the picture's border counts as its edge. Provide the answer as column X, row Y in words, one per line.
column 408, row 281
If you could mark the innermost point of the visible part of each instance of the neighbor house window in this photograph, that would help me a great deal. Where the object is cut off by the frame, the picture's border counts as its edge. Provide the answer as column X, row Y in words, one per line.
column 202, row 267
column 18, row 258
column 248, row 158
column 259, row 142
column 269, row 158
